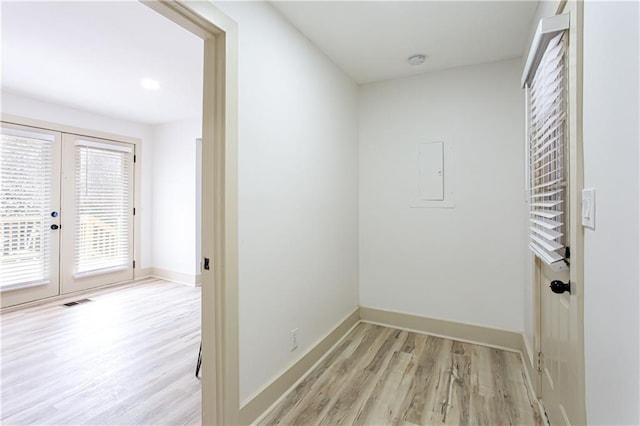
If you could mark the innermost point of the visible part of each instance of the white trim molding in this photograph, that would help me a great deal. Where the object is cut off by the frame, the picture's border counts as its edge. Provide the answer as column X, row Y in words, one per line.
column 470, row 333
column 176, row 277
column 139, row 273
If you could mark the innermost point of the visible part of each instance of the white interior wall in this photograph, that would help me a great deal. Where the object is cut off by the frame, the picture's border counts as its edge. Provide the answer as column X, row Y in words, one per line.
column 465, row 263
column 298, row 166
column 611, row 139
column 175, row 197
column 35, row 109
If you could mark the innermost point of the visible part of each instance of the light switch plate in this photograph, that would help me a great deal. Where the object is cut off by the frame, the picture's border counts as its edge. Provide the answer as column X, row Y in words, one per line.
column 589, row 208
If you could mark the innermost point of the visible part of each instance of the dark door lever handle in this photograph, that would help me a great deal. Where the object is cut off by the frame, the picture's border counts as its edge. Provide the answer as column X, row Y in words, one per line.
column 559, row 287
column 54, row 227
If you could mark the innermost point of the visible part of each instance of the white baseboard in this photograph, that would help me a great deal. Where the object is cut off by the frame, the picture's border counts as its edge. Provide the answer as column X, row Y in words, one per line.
column 142, row 273
column 271, row 394
column 485, row 336
column 176, row 277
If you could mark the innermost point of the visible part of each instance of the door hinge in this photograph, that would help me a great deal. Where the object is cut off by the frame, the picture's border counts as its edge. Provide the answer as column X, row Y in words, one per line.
column 134, row 211
column 134, row 264
column 540, row 361
column 134, row 158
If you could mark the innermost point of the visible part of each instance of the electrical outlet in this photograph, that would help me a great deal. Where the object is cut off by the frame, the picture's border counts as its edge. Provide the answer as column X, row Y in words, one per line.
column 294, row 339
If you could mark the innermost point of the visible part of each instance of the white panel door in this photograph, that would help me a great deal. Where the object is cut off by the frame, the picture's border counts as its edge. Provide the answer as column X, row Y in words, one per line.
column 98, row 194
column 559, row 340
column 29, row 214
column 561, row 315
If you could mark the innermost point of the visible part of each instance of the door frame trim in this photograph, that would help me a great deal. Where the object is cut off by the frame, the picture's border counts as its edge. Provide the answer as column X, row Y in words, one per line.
column 220, row 361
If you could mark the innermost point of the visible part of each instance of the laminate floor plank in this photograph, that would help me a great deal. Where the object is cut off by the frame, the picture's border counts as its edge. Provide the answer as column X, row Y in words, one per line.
column 321, row 402
column 127, row 357
column 377, row 404
column 351, row 404
column 383, row 376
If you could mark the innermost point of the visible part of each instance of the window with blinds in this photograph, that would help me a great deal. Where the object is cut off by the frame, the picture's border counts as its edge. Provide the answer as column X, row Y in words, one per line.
column 25, row 203
column 547, row 111
column 103, row 207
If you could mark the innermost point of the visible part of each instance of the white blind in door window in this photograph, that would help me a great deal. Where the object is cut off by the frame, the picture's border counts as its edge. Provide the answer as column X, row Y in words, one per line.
column 103, row 207
column 25, row 203
column 547, row 154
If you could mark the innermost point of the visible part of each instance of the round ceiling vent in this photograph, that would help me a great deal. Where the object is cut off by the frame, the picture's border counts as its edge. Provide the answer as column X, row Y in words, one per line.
column 415, row 60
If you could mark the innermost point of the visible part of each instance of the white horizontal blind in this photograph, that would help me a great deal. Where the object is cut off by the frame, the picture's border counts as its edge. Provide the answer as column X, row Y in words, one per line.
column 25, row 203
column 547, row 154
column 103, row 194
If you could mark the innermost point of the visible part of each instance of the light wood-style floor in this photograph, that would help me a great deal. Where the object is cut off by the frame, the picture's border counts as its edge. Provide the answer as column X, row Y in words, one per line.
column 127, row 358
column 384, row 376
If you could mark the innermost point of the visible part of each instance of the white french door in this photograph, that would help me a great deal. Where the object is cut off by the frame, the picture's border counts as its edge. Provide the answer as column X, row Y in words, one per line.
column 66, row 218
column 97, row 201
column 29, row 214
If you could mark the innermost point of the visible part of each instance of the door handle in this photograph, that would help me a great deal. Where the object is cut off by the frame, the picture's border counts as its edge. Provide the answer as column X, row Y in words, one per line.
column 559, row 287
column 54, row 227
column 54, row 214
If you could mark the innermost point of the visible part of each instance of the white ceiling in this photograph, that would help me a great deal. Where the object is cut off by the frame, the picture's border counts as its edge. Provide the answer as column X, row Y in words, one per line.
column 92, row 55
column 371, row 40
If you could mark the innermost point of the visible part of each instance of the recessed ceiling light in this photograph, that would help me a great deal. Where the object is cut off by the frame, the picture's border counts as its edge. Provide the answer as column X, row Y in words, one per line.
column 415, row 60
column 150, row 84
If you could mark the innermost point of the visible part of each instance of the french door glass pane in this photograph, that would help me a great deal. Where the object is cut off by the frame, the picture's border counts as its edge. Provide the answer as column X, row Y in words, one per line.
column 25, row 208
column 103, row 191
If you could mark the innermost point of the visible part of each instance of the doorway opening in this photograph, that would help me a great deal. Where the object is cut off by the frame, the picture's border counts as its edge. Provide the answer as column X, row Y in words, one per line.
column 218, row 235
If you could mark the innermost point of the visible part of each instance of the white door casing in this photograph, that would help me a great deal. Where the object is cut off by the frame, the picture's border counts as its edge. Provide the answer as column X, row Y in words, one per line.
column 220, row 366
